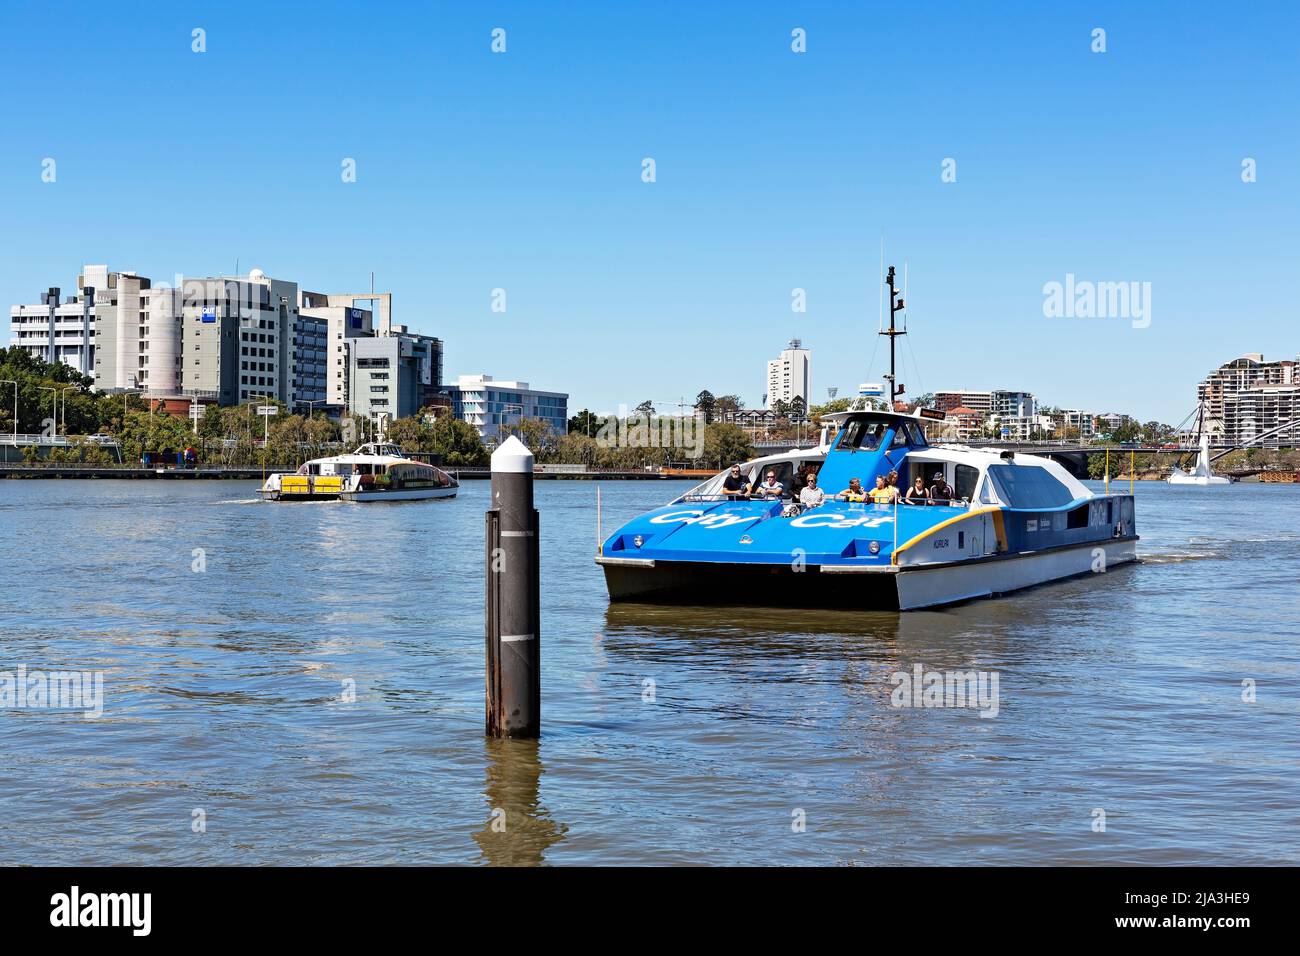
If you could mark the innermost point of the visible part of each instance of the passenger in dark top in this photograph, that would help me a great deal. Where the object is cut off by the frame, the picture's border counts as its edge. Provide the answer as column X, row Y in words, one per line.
column 734, row 485
column 941, row 492
column 917, row 494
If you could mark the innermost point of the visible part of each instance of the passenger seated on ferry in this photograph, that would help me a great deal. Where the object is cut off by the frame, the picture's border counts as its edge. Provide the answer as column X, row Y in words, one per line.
column 811, row 496
column 916, row 495
column 892, row 481
column 941, row 492
column 800, row 480
column 854, row 491
column 882, row 494
column 770, row 487
column 734, row 486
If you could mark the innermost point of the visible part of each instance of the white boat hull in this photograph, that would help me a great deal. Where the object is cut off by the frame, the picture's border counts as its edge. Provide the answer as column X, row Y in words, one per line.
column 1182, row 478
column 1202, row 473
column 411, row 494
column 922, row 586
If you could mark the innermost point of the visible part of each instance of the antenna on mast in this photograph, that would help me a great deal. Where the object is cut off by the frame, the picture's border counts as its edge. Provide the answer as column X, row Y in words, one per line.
column 893, row 332
column 880, row 323
column 904, row 299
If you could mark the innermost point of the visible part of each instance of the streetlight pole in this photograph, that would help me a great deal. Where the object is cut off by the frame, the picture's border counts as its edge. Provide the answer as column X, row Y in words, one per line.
column 51, row 388
column 63, row 391
column 7, row 381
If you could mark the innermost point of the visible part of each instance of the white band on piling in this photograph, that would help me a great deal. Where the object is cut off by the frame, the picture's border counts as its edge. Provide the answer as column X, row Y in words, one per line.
column 516, row 534
column 513, row 456
column 512, row 638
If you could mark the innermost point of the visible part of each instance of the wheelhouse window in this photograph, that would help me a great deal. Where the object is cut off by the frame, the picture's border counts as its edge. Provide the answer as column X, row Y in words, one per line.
column 861, row 434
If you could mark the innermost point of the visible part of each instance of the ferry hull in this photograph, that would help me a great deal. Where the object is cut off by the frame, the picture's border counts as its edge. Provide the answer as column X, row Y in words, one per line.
column 413, row 494
column 888, row 588
column 704, row 583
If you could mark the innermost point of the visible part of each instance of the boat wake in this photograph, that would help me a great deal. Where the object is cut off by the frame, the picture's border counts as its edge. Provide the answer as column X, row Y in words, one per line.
column 1178, row 557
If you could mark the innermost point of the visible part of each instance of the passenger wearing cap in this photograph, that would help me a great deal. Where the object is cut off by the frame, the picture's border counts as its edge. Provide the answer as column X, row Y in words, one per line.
column 941, row 492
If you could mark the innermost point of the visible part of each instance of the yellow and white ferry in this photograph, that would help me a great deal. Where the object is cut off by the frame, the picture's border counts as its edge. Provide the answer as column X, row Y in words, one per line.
column 377, row 471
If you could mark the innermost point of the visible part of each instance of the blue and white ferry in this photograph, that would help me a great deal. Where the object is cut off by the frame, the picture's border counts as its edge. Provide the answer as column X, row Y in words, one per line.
column 1013, row 521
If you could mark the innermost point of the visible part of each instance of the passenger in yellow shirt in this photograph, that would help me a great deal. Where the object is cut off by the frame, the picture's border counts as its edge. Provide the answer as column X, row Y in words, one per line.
column 883, row 493
column 853, row 492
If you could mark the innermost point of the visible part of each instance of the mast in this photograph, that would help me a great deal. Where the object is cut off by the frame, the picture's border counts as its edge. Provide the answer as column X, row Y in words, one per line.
column 893, row 332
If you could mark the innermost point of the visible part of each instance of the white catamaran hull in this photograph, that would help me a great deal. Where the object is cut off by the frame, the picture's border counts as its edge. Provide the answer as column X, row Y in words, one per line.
column 919, row 586
column 409, row 494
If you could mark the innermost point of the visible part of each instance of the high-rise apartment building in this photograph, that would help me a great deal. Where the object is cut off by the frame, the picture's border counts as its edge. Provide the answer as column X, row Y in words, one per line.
column 1004, row 403
column 1241, row 374
column 789, row 375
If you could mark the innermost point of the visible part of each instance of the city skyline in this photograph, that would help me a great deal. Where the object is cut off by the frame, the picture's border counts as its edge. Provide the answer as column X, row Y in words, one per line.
column 499, row 171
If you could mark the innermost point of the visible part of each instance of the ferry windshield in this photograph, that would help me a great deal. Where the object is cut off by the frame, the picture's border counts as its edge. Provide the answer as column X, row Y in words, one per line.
column 1028, row 486
column 861, row 433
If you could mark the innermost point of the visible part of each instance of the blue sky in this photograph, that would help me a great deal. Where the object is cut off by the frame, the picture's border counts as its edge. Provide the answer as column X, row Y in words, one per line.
column 775, row 171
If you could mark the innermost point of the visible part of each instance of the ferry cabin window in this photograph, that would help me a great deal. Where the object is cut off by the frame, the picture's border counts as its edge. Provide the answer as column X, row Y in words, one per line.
column 1028, row 486
column 964, row 478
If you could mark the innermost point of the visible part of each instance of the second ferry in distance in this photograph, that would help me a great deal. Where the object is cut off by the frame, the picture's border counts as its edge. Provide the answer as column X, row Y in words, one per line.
column 377, row 471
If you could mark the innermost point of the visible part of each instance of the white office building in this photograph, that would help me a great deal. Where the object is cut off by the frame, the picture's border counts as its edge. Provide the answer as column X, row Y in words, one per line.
column 789, row 375
column 345, row 321
column 64, row 331
column 1024, row 427
column 393, row 375
column 493, row 406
